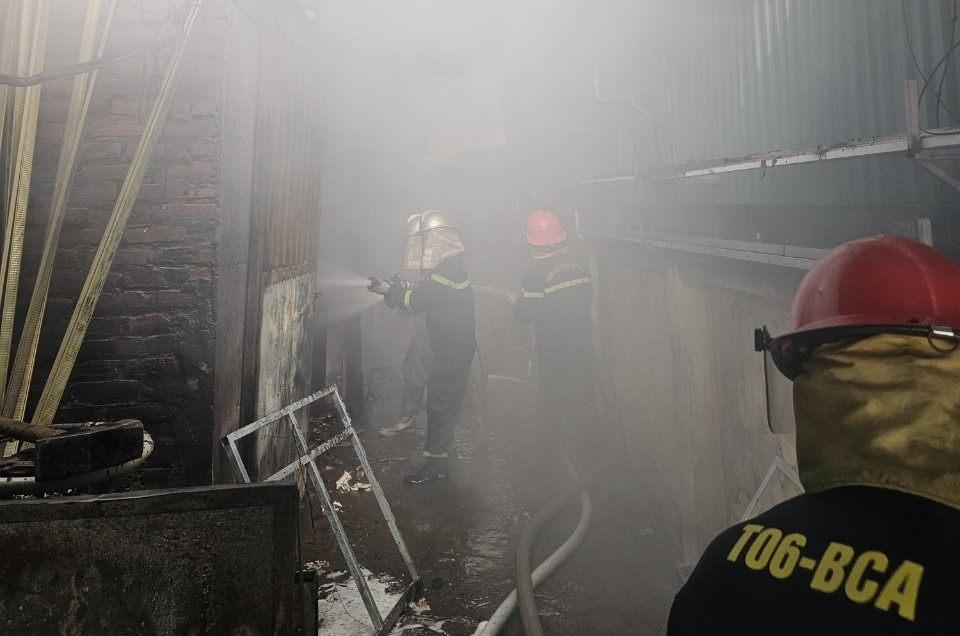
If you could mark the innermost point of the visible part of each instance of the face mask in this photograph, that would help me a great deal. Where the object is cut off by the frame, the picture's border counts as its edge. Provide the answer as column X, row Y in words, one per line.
column 881, row 411
column 439, row 244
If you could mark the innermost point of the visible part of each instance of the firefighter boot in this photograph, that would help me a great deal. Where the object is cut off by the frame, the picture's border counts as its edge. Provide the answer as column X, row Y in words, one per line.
column 432, row 469
column 409, row 409
column 402, row 424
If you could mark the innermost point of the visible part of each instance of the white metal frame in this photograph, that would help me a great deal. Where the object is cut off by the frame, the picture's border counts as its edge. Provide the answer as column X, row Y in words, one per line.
column 306, row 458
column 779, row 465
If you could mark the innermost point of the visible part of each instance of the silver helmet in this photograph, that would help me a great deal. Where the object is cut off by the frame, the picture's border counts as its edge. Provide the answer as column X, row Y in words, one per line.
column 413, row 224
column 434, row 219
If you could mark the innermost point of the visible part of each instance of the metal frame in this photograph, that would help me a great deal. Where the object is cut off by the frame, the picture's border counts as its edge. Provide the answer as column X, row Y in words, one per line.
column 306, row 458
column 921, row 146
column 779, row 464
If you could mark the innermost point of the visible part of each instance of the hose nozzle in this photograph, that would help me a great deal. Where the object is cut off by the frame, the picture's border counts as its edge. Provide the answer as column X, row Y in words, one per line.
column 378, row 285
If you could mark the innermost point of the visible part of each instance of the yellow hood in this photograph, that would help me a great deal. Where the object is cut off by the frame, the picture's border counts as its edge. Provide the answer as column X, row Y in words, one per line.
column 882, row 411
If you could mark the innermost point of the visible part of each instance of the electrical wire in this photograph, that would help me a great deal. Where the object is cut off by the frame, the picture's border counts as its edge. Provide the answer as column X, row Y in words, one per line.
column 916, row 64
column 943, row 60
column 85, row 67
column 943, row 75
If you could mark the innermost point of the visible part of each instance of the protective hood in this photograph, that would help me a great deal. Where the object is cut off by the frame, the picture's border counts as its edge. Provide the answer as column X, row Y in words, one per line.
column 881, row 411
column 412, row 257
column 412, row 252
column 439, row 244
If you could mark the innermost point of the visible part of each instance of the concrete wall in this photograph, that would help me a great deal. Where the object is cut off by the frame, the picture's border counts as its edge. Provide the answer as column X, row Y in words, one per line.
column 149, row 351
column 194, row 561
column 677, row 340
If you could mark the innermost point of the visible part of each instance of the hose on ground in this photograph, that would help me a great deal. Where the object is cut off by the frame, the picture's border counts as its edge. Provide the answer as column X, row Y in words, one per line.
column 502, row 614
column 527, row 581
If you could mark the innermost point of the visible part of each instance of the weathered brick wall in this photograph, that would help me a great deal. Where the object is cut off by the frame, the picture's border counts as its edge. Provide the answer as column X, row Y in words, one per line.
column 149, row 349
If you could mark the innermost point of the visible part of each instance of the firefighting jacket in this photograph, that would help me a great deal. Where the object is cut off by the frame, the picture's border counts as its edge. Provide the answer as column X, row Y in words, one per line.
column 556, row 298
column 849, row 560
column 446, row 297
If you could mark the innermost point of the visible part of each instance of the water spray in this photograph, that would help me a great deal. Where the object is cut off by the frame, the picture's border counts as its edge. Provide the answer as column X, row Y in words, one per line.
column 346, row 281
column 345, row 294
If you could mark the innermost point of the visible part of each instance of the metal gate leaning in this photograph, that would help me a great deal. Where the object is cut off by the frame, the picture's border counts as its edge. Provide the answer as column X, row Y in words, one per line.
column 307, row 458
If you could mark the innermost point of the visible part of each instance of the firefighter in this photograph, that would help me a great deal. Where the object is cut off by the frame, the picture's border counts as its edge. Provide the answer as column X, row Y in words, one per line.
column 419, row 357
column 871, row 547
column 556, row 297
column 445, row 298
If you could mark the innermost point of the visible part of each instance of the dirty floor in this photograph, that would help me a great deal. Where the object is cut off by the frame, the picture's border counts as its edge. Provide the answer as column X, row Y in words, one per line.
column 462, row 533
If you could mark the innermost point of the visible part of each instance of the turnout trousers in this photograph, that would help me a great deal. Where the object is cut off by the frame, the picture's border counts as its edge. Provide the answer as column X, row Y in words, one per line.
column 416, row 370
column 566, row 413
column 446, row 386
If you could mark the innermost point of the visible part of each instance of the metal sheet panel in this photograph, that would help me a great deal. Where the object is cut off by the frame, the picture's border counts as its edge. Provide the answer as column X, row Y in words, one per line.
column 285, row 208
column 753, row 76
column 286, row 331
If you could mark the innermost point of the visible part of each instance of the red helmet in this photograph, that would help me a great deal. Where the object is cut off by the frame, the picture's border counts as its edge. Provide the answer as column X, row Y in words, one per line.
column 544, row 228
column 880, row 284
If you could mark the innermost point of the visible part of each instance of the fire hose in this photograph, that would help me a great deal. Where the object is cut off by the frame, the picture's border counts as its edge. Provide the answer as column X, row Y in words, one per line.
column 527, row 581
column 29, row 486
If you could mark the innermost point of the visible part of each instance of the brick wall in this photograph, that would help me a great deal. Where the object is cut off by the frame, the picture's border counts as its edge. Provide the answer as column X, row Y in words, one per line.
column 150, row 347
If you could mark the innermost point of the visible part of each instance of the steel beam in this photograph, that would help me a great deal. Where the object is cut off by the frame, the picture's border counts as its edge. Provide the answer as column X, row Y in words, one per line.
column 766, row 253
column 943, row 143
column 941, row 174
column 895, row 144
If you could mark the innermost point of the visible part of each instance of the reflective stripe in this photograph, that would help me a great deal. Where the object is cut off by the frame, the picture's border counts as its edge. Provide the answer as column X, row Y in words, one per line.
column 406, row 299
column 547, row 253
column 569, row 283
column 427, row 453
column 528, row 294
column 446, row 282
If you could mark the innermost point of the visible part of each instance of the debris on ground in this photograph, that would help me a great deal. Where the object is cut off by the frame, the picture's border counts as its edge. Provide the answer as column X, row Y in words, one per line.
column 342, row 613
column 341, row 610
column 461, row 536
column 344, row 483
column 319, row 566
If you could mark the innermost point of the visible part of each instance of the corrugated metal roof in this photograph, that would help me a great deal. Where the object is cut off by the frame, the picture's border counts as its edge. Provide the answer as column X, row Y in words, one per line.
column 751, row 76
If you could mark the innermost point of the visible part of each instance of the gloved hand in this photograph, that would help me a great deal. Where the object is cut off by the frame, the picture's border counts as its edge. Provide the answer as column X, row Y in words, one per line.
column 394, row 296
column 378, row 286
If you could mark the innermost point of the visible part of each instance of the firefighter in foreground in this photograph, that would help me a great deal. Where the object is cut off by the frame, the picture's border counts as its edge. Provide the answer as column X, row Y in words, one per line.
column 556, row 297
column 445, row 298
column 872, row 547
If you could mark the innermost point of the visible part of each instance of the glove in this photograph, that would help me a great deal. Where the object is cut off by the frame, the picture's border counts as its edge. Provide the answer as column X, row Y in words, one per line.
column 378, row 286
column 394, row 296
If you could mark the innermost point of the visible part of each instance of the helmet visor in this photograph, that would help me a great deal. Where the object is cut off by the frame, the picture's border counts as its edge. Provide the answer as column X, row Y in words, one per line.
column 412, row 259
column 783, row 359
column 439, row 244
column 778, row 395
